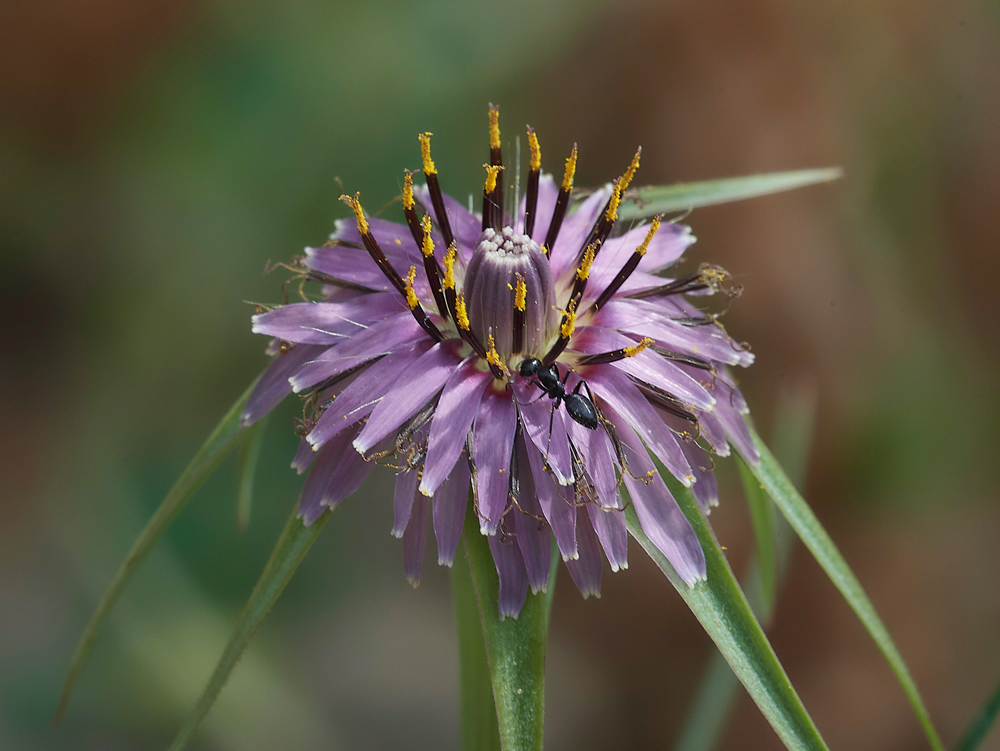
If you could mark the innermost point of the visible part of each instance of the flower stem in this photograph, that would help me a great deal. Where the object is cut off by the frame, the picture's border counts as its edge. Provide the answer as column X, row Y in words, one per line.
column 503, row 695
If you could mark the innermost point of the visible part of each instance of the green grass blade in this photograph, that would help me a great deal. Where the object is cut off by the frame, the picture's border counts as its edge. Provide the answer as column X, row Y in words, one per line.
column 479, row 713
column 981, row 724
column 290, row 550
column 205, row 462
column 659, row 199
column 515, row 648
column 246, row 467
column 811, row 532
column 719, row 686
column 762, row 520
column 719, row 605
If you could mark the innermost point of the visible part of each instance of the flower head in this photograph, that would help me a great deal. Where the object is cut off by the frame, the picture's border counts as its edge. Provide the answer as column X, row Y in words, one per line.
column 535, row 353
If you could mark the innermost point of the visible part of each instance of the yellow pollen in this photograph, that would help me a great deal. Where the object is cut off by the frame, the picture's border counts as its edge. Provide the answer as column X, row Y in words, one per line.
column 493, row 357
column 569, row 322
column 494, row 127
column 588, row 259
column 491, row 177
column 636, row 349
column 449, row 267
column 408, row 191
column 425, row 153
column 536, row 151
column 521, row 295
column 463, row 317
column 411, row 297
column 428, row 244
column 653, row 228
column 616, row 197
column 567, row 183
column 355, row 205
column 632, row 169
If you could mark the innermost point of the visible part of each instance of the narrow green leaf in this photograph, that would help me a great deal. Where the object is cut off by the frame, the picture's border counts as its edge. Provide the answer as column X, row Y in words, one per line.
column 719, row 604
column 811, row 532
column 719, row 686
column 981, row 724
column 246, row 467
column 291, row 548
column 201, row 467
column 479, row 712
column 762, row 520
column 515, row 648
column 659, row 199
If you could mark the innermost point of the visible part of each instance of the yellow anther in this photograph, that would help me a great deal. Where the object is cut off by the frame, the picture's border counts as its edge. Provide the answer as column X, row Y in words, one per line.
column 616, row 198
column 408, row 191
column 425, row 153
column 520, row 294
column 588, row 259
column 460, row 313
column 632, row 169
column 428, row 245
column 492, row 170
column 569, row 322
column 449, row 267
column 355, row 205
column 411, row 297
column 493, row 357
column 636, row 349
column 536, row 151
column 653, row 228
column 494, row 127
column 567, row 183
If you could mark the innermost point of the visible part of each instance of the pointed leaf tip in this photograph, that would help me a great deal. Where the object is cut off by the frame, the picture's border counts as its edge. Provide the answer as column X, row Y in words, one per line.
column 649, row 201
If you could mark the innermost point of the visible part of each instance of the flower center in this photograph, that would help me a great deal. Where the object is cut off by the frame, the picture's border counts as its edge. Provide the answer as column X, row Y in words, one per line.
column 510, row 294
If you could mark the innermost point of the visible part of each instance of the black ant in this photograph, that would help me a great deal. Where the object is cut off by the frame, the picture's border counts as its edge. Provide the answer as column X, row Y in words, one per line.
column 546, row 377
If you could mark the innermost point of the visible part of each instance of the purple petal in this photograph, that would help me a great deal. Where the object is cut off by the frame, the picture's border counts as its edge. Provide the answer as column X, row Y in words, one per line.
column 646, row 318
column 537, row 414
column 613, row 534
column 659, row 515
column 714, row 433
column 574, row 231
column 558, row 510
column 450, row 502
column 406, row 487
column 325, row 323
column 328, row 459
column 617, row 390
column 647, row 366
column 453, row 417
column 359, row 399
column 394, row 239
column 513, row 577
column 548, row 191
column 415, row 537
column 466, row 226
column 706, row 489
column 492, row 443
column 666, row 247
column 532, row 532
column 411, row 391
column 273, row 385
column 597, row 452
column 378, row 339
column 586, row 570
column 303, row 456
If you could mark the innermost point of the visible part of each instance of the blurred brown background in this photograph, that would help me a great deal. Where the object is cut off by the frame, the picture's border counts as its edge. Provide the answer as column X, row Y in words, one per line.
column 154, row 155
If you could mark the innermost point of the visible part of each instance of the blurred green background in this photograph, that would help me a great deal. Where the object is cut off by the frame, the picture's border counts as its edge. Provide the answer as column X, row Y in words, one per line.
column 153, row 157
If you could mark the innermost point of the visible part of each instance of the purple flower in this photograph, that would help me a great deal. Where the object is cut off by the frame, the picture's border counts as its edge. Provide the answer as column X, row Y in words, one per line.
column 538, row 358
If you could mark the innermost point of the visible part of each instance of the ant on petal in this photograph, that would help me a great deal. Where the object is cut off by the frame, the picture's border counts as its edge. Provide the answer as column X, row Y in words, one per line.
column 546, row 377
